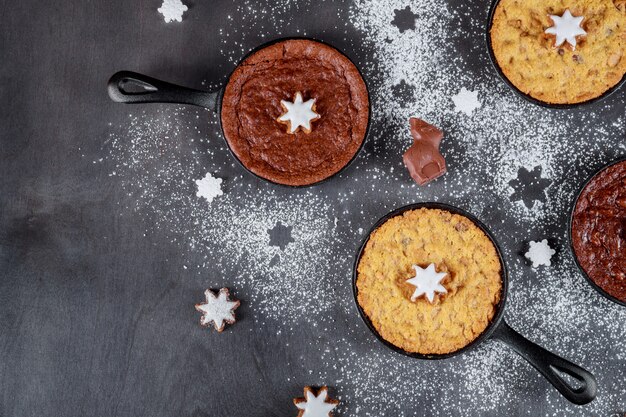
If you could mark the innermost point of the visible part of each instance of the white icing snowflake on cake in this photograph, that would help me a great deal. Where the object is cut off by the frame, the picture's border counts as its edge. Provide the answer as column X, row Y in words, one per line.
column 209, row 187
column 427, row 282
column 172, row 10
column 466, row 101
column 218, row 310
column 312, row 405
column 540, row 253
column 566, row 28
column 298, row 114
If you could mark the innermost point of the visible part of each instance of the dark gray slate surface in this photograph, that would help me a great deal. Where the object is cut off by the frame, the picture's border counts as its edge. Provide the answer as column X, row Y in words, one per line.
column 96, row 315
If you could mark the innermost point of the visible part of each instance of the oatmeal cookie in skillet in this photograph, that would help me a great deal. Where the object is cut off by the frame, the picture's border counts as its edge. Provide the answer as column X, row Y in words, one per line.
column 457, row 247
column 525, row 37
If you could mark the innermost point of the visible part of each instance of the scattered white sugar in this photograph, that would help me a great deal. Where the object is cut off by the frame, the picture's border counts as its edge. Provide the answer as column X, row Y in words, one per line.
column 209, row 187
column 172, row 10
column 466, row 101
column 540, row 253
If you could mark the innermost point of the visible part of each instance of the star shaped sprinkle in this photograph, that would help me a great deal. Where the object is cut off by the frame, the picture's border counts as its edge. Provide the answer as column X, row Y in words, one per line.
column 466, row 101
column 218, row 310
column 529, row 186
column 312, row 405
column 298, row 114
column 172, row 10
column 566, row 28
column 540, row 253
column 427, row 282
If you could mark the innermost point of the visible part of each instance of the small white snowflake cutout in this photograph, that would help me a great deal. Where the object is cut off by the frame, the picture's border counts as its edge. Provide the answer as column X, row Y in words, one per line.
column 312, row 405
column 566, row 28
column 209, row 187
column 298, row 114
column 427, row 282
column 540, row 253
column 218, row 310
column 466, row 101
column 172, row 10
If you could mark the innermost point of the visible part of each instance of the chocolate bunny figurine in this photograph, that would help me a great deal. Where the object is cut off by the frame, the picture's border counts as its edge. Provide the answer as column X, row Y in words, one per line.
column 423, row 159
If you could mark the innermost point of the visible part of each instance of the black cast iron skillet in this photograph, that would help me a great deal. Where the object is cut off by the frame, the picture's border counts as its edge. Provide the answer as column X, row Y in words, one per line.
column 131, row 87
column 528, row 97
column 547, row 363
column 571, row 242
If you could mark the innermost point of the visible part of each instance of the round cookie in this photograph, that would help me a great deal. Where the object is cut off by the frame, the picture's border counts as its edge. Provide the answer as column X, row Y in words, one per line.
column 457, row 247
column 527, row 55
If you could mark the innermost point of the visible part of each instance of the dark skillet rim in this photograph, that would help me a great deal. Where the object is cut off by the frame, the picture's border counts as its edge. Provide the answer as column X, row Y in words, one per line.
column 495, row 321
column 220, row 96
column 528, row 97
column 571, row 240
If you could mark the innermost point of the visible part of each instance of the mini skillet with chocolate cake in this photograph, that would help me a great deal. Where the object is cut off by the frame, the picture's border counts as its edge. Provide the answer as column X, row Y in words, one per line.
column 598, row 231
column 295, row 112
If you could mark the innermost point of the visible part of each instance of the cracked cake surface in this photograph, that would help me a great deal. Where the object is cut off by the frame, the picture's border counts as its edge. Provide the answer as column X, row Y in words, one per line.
column 252, row 105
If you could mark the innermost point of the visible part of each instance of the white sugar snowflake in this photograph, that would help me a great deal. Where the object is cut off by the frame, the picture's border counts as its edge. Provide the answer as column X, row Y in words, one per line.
column 209, row 187
column 566, row 28
column 427, row 282
column 298, row 114
column 218, row 310
column 466, row 101
column 540, row 253
column 172, row 10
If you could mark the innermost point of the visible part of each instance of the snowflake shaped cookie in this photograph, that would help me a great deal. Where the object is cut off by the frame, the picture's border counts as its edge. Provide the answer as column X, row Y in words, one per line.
column 540, row 253
column 427, row 282
column 218, row 310
column 566, row 28
column 466, row 101
column 312, row 405
column 298, row 114
column 209, row 187
column 172, row 10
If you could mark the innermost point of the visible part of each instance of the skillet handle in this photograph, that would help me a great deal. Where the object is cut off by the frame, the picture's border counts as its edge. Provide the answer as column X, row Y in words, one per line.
column 132, row 87
column 548, row 364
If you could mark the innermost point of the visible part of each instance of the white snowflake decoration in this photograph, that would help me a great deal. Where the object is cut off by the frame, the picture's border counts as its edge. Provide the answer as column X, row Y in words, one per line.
column 566, row 28
column 466, row 101
column 218, row 310
column 298, row 114
column 209, row 187
column 540, row 253
column 172, row 10
column 315, row 406
column 427, row 282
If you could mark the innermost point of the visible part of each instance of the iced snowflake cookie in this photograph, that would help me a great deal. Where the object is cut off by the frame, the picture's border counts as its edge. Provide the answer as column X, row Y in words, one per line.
column 448, row 300
column 218, row 310
column 298, row 114
column 315, row 405
column 560, row 52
